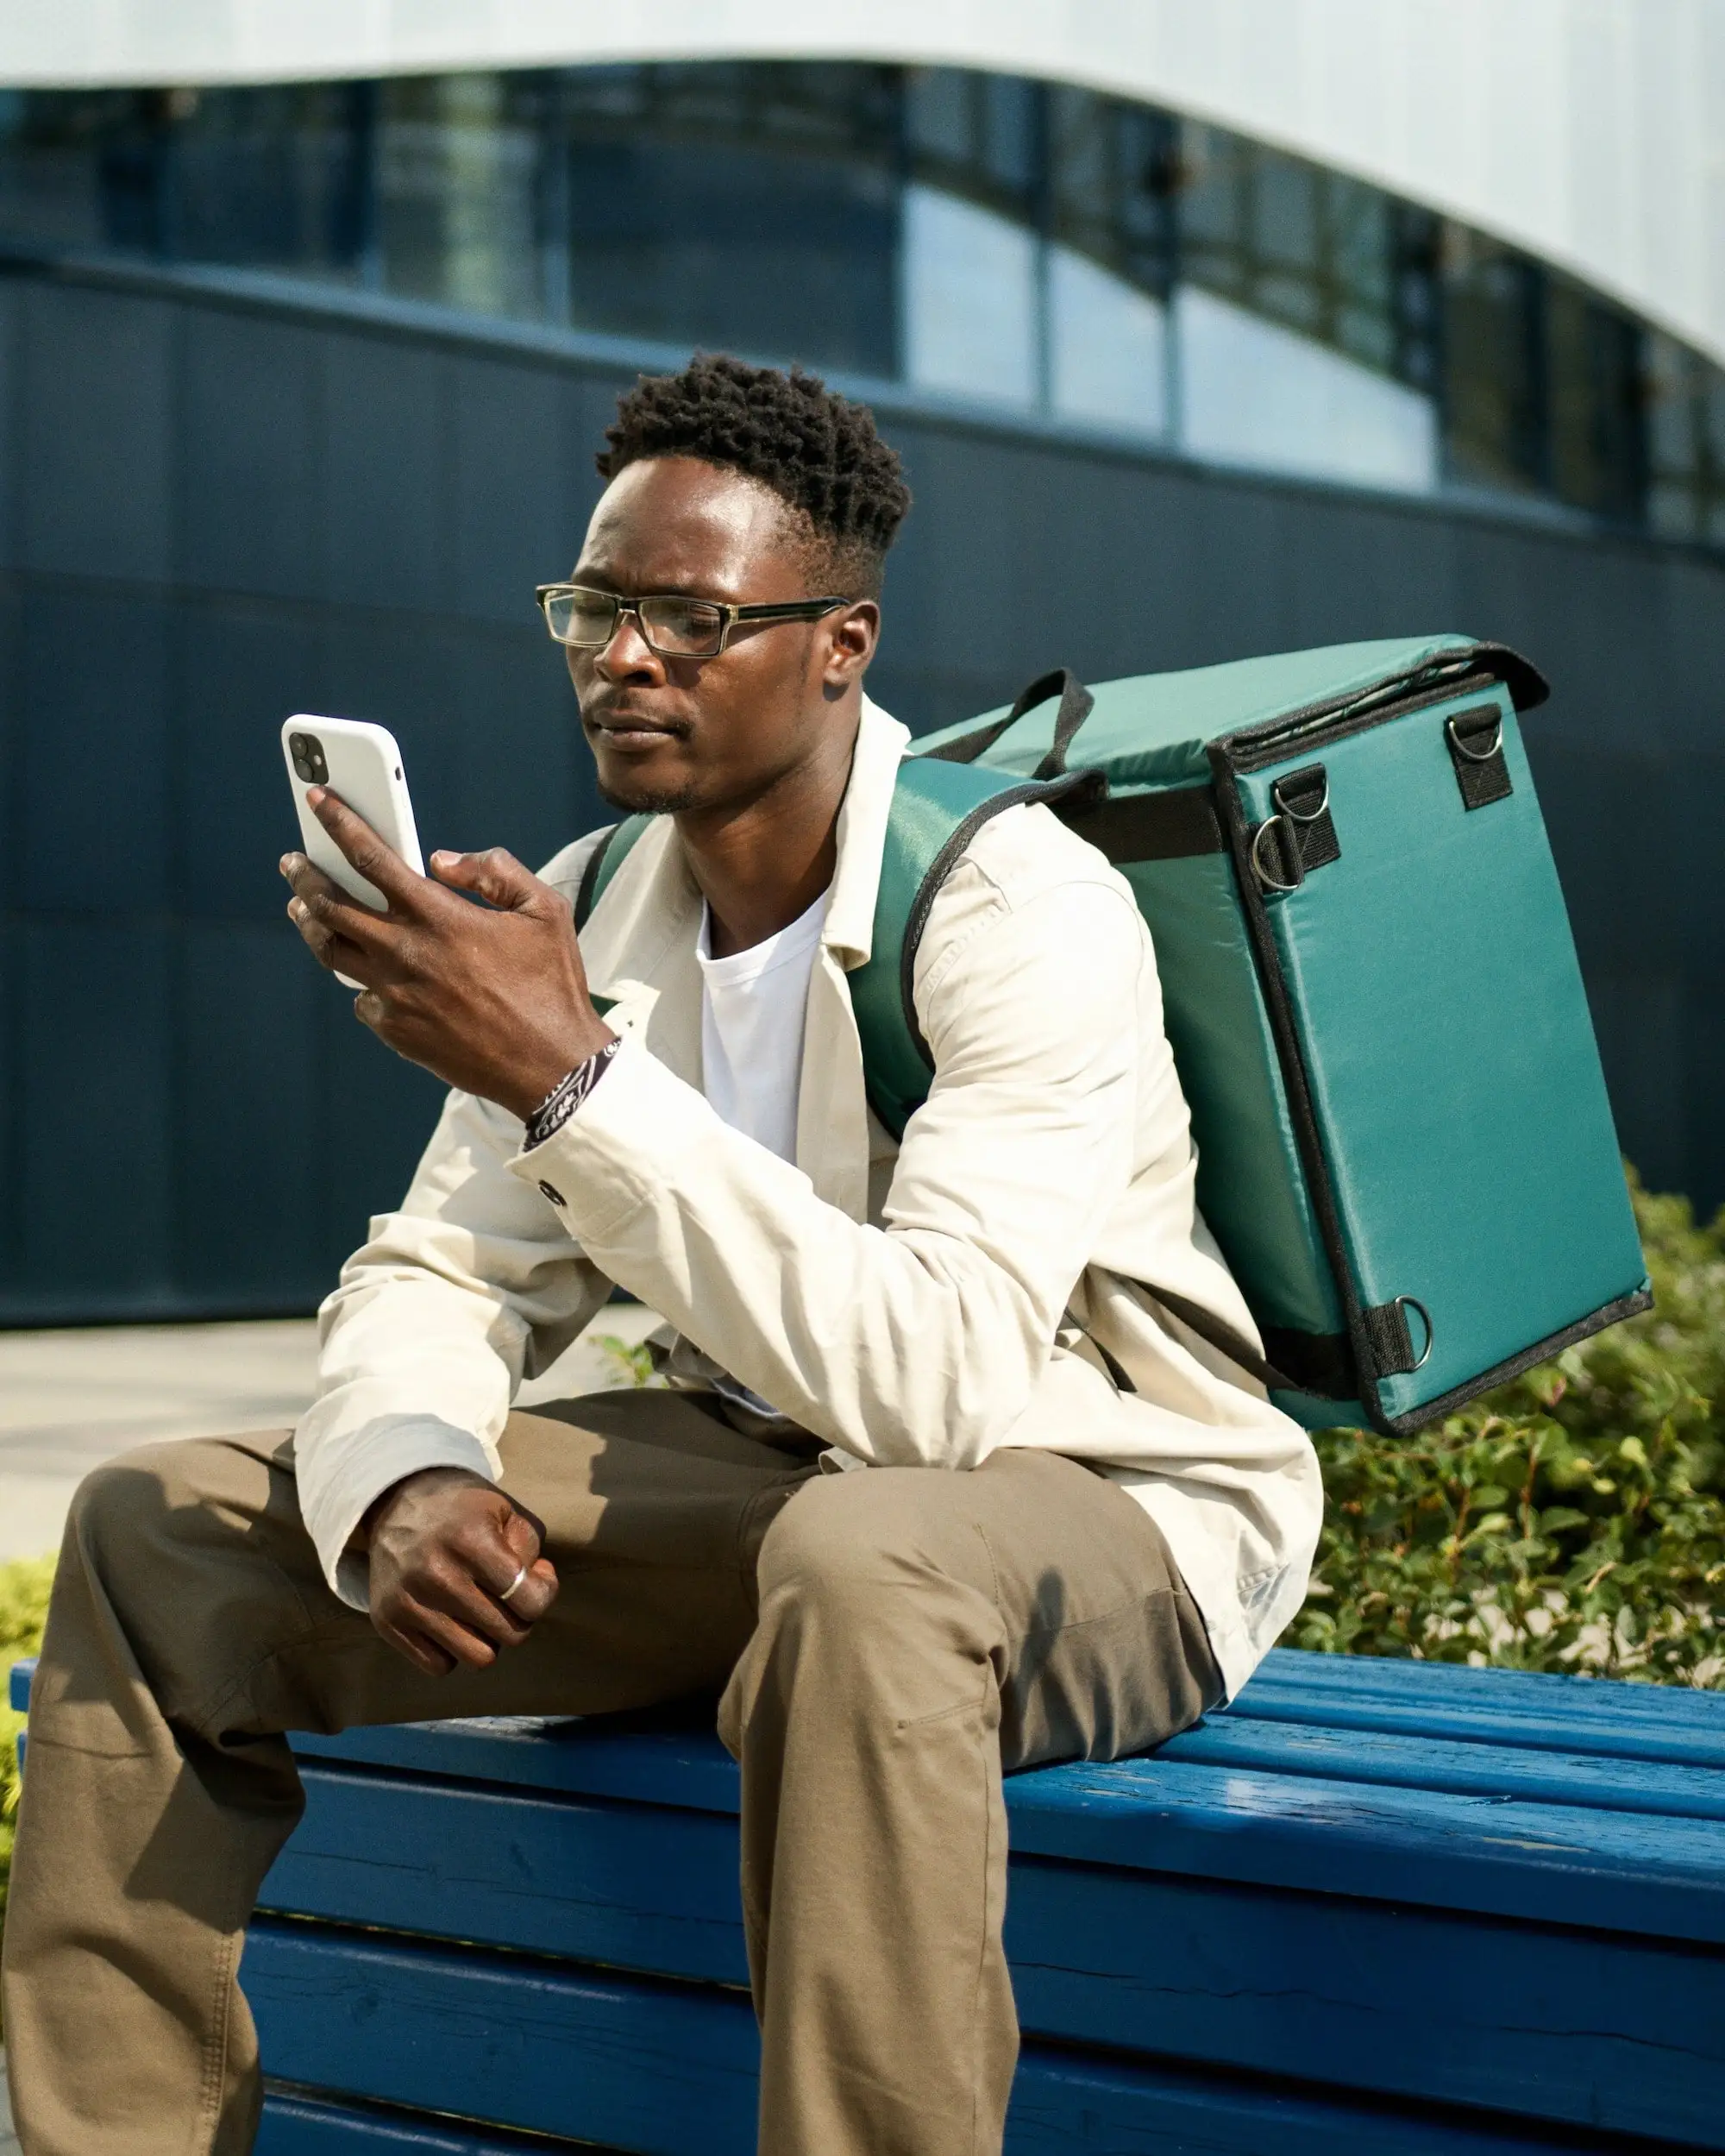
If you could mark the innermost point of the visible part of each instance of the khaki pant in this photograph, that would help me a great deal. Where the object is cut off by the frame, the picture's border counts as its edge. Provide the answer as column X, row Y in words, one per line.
column 884, row 1641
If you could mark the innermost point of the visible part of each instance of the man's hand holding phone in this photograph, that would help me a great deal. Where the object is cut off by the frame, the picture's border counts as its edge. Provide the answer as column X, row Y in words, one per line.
column 491, row 999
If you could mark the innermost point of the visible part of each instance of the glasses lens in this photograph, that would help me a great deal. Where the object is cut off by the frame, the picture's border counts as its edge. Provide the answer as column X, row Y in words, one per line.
column 580, row 617
column 689, row 627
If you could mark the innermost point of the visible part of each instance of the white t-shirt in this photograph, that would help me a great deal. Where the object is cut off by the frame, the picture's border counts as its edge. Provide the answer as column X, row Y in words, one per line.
column 753, row 1004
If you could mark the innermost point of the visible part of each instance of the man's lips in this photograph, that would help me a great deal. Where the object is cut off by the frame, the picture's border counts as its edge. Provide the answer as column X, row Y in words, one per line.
column 635, row 724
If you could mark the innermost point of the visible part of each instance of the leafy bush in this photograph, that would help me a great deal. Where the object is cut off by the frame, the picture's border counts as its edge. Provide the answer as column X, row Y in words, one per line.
column 23, row 1610
column 1574, row 1519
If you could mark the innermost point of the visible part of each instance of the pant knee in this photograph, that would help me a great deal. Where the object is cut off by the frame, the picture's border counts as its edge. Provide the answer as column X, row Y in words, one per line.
column 883, row 1589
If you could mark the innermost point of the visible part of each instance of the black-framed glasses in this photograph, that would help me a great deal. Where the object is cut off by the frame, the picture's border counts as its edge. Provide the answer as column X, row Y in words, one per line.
column 675, row 627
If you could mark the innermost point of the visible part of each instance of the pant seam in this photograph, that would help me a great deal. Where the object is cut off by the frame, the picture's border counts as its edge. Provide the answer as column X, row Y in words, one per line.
column 215, row 2047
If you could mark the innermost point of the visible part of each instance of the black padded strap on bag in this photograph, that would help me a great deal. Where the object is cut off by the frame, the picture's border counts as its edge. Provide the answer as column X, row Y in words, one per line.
column 1176, row 824
column 1223, row 1339
column 1076, row 704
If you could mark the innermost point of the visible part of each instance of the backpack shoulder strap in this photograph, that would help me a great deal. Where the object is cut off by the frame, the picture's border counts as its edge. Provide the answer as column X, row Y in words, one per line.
column 603, row 863
column 937, row 809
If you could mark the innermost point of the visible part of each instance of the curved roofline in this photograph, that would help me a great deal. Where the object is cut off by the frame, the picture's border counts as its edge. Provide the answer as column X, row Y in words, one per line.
column 1584, row 136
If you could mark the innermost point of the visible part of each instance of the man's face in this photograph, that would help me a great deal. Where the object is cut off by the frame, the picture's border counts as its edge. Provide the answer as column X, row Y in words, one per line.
column 682, row 734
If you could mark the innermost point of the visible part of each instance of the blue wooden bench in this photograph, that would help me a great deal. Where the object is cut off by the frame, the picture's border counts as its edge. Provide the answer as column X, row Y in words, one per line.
column 1392, row 1908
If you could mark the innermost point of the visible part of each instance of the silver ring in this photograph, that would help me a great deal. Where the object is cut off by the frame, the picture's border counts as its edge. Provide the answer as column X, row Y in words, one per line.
column 1413, row 1302
column 1302, row 815
column 1494, row 748
column 513, row 1585
column 1272, row 884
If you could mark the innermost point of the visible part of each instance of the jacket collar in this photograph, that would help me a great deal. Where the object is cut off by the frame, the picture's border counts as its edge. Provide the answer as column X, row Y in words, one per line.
column 848, row 931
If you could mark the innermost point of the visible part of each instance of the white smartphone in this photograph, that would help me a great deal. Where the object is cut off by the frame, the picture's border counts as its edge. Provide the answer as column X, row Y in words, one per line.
column 362, row 763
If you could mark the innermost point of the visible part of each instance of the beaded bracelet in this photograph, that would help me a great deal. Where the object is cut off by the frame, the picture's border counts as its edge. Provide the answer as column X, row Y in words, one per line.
column 567, row 1096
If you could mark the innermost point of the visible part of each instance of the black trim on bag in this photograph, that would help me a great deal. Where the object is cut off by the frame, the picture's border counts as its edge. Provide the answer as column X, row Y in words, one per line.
column 1631, row 1305
column 1295, row 1083
column 1483, row 667
column 1178, row 825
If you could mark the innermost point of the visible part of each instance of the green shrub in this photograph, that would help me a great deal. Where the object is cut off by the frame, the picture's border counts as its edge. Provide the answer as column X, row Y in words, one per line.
column 23, row 1610
column 1574, row 1519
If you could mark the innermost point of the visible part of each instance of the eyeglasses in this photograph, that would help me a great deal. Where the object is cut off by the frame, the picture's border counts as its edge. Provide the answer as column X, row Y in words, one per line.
column 675, row 628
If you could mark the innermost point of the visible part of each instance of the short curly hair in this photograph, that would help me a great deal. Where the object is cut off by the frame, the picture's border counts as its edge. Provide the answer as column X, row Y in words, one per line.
column 817, row 450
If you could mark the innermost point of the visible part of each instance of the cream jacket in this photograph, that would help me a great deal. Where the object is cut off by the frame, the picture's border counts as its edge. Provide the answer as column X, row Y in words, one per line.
column 916, row 1305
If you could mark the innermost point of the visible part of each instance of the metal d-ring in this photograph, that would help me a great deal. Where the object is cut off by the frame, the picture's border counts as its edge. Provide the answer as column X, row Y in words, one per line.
column 1302, row 815
column 1274, row 882
column 1476, row 756
column 1413, row 1302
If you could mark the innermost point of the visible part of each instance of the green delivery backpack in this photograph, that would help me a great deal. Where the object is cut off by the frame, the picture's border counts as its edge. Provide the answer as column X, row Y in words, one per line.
column 1405, row 1149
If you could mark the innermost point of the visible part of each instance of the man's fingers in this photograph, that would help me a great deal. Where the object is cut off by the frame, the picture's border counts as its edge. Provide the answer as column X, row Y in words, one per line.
column 413, row 1646
column 508, row 1567
column 495, row 876
column 331, row 950
column 320, row 903
column 446, row 1633
column 377, row 861
column 535, row 1593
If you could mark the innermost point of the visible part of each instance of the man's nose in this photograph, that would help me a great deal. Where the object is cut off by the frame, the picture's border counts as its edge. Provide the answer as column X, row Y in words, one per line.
column 627, row 654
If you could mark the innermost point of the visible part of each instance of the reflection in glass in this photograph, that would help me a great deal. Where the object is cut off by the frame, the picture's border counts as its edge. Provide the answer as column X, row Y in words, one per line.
column 1108, row 347
column 1253, row 392
column 971, row 299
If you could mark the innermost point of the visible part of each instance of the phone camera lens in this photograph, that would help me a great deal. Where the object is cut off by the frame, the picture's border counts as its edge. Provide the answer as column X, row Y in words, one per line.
column 307, row 751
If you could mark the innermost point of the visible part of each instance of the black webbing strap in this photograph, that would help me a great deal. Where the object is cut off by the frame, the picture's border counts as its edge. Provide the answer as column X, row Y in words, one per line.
column 585, row 888
column 1223, row 1339
column 1301, row 835
column 1475, row 741
column 1076, row 704
column 1175, row 825
column 1390, row 1338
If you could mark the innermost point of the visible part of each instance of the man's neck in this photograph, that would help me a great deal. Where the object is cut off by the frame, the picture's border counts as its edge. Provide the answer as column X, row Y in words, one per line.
column 762, row 867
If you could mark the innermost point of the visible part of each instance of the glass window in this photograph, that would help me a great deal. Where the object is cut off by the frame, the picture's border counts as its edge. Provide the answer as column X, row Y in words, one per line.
column 1046, row 247
column 1108, row 347
column 970, row 298
column 751, row 207
column 1254, row 392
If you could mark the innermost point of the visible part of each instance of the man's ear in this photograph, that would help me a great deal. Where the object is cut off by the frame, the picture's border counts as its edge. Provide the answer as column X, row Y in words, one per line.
column 851, row 636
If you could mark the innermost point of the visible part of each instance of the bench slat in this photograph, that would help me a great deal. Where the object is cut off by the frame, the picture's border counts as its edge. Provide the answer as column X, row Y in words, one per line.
column 657, row 2068
column 586, row 2068
column 1415, row 2002
column 1577, row 1700
column 1463, row 1769
column 1556, row 1862
column 1581, row 1715
column 302, row 2125
column 626, row 1885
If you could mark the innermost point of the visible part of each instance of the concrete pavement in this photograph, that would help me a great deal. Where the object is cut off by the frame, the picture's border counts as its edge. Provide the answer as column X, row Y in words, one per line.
column 70, row 1399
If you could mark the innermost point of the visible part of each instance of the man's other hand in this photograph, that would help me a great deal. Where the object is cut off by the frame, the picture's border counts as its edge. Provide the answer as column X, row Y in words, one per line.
column 445, row 1544
column 491, row 998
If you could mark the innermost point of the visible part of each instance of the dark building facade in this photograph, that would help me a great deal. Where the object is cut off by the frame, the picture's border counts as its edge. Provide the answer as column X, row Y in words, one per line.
column 225, row 496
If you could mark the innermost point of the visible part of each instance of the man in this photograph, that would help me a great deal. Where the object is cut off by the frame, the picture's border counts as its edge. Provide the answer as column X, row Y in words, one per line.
column 940, row 1487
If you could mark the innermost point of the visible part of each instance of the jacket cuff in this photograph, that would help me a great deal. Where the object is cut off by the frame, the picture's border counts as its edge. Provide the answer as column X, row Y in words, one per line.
column 371, row 1459
column 618, row 1148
